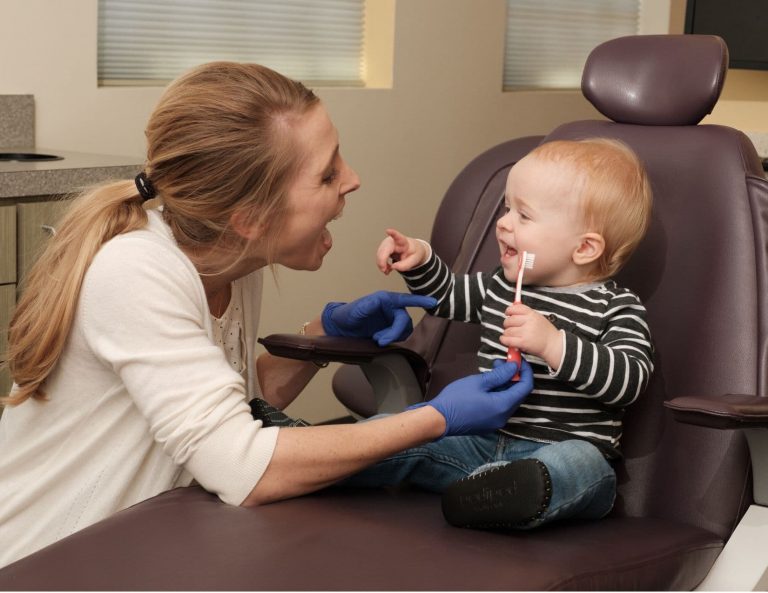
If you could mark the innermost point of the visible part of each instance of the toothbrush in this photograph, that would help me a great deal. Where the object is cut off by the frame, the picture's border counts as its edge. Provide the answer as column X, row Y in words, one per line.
column 525, row 262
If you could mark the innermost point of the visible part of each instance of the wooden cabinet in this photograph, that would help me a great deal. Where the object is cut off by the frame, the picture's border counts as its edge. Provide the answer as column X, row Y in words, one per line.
column 24, row 228
column 7, row 283
column 7, row 301
column 7, row 244
column 37, row 222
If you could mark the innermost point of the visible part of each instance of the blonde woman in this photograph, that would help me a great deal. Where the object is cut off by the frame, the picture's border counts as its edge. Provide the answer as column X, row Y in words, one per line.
column 132, row 349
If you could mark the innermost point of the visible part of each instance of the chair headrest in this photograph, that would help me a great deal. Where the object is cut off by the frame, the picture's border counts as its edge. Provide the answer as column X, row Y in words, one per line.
column 662, row 80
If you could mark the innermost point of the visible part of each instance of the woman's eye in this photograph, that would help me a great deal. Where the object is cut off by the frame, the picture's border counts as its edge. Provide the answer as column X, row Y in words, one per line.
column 330, row 177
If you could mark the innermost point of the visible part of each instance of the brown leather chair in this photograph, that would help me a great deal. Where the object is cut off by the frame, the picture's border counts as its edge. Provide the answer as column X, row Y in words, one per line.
column 684, row 486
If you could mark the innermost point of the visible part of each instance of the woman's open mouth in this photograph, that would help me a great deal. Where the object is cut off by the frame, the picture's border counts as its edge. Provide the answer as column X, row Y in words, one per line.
column 326, row 236
column 327, row 239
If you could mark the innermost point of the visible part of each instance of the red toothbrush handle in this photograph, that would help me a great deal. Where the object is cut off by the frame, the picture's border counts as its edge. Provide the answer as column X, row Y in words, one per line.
column 513, row 355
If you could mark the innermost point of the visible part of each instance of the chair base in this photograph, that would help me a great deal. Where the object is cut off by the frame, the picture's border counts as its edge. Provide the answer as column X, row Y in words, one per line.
column 743, row 564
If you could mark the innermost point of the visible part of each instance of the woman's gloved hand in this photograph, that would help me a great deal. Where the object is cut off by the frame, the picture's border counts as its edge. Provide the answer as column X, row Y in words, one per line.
column 380, row 315
column 482, row 403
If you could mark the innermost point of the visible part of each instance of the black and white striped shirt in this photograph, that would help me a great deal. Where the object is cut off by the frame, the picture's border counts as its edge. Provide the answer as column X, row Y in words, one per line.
column 607, row 354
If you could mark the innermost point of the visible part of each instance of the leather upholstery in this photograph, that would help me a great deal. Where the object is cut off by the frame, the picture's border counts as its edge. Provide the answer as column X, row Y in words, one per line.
column 349, row 540
column 725, row 411
column 655, row 80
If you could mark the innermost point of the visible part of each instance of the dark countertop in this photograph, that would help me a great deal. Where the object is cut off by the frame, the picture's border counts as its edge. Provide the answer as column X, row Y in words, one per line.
column 69, row 175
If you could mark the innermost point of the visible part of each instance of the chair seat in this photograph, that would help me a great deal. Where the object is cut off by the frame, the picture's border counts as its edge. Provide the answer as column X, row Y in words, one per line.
column 186, row 539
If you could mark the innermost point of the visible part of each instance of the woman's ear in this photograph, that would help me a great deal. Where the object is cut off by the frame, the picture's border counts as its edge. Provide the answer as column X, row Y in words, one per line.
column 244, row 227
column 591, row 247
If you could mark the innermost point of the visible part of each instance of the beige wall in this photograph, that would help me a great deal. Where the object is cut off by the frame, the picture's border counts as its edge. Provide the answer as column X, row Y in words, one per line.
column 407, row 142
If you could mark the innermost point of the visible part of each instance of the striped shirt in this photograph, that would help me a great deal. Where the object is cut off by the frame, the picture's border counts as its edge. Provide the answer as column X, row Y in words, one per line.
column 607, row 353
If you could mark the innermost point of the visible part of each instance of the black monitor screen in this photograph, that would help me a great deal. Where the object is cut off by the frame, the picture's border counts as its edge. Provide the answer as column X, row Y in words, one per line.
column 743, row 24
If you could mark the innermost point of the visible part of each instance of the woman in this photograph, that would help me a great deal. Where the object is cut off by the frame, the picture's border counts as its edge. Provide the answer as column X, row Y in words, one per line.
column 132, row 346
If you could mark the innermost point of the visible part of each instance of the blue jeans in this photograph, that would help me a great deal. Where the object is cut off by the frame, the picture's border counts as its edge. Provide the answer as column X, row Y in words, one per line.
column 583, row 482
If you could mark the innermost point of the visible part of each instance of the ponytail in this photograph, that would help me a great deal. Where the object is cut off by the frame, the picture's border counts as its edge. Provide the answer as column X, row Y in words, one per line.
column 46, row 309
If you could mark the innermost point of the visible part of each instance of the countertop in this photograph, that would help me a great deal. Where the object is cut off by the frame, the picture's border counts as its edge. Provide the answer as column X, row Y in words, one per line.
column 74, row 172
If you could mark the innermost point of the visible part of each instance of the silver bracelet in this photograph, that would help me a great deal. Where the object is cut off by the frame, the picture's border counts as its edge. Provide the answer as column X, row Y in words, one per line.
column 303, row 332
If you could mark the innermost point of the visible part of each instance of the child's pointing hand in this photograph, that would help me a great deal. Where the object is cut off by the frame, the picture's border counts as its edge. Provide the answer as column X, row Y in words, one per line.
column 401, row 253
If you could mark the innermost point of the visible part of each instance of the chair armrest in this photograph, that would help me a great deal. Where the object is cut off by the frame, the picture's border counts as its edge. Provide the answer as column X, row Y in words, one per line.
column 321, row 348
column 746, row 412
column 722, row 411
column 398, row 375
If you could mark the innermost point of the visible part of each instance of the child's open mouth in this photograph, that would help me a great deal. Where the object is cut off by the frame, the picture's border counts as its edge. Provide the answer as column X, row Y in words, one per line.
column 509, row 251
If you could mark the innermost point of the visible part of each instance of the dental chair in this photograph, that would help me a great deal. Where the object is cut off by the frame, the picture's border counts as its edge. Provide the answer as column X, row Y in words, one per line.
column 693, row 487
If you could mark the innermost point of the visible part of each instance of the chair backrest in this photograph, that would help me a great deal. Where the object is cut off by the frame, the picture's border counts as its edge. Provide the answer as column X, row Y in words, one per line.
column 701, row 269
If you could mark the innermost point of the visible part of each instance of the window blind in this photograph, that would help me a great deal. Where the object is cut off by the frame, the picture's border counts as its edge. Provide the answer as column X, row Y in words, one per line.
column 152, row 41
column 548, row 41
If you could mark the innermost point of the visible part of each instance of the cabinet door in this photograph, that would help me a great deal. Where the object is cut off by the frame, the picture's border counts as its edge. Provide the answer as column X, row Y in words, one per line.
column 7, row 244
column 7, row 301
column 36, row 224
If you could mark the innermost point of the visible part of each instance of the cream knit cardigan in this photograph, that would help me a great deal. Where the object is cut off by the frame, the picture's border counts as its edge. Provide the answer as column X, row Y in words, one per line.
column 140, row 402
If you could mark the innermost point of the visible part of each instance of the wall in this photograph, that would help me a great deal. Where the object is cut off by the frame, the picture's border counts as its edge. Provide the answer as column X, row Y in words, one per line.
column 406, row 142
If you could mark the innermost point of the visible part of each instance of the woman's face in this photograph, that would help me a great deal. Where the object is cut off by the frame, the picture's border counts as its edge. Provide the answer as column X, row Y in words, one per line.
column 317, row 195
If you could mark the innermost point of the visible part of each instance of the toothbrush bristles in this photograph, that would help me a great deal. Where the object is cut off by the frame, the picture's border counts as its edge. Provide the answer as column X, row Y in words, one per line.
column 528, row 259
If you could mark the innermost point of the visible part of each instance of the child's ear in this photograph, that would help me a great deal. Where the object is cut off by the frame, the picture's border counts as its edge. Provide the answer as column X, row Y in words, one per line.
column 590, row 248
column 244, row 227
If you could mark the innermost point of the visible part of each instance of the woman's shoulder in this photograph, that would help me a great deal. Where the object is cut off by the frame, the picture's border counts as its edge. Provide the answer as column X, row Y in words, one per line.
column 146, row 258
column 153, row 241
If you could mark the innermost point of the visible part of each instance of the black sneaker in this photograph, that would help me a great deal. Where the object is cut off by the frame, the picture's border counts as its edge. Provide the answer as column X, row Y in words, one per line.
column 271, row 416
column 503, row 497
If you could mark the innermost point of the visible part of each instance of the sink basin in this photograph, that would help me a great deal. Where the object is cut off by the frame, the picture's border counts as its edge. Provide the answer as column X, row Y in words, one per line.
column 28, row 157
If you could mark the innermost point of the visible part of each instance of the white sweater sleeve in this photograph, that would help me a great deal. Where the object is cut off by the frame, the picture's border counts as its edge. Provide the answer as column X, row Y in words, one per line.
column 143, row 312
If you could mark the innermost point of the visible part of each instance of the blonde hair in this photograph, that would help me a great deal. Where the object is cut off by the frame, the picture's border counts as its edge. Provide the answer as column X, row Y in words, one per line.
column 218, row 142
column 615, row 194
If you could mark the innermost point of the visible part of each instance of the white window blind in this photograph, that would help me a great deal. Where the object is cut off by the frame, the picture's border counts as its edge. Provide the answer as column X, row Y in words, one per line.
column 548, row 41
column 152, row 41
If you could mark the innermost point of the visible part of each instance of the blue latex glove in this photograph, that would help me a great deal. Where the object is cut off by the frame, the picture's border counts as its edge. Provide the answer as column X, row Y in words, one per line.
column 482, row 403
column 380, row 315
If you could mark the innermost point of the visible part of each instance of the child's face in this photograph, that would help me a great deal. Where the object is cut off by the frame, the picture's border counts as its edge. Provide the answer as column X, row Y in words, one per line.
column 542, row 218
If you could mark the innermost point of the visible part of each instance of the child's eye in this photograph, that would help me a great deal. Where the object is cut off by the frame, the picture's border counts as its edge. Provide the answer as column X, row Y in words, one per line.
column 523, row 215
column 330, row 177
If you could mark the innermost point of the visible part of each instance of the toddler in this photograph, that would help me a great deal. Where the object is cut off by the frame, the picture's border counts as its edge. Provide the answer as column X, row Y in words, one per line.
column 581, row 207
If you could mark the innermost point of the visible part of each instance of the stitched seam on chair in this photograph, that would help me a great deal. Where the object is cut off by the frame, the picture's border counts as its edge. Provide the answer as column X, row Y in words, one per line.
column 760, row 242
column 650, row 561
column 741, row 419
column 743, row 499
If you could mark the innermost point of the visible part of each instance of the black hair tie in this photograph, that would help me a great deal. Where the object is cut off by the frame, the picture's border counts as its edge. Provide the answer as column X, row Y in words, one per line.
column 145, row 187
